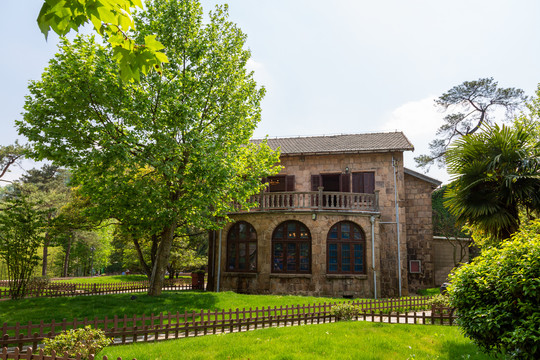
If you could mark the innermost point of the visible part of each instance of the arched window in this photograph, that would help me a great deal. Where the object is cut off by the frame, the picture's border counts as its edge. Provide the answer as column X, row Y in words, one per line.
column 291, row 248
column 345, row 249
column 242, row 248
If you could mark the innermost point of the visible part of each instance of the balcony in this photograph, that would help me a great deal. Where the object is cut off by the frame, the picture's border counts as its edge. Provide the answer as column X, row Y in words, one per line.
column 315, row 201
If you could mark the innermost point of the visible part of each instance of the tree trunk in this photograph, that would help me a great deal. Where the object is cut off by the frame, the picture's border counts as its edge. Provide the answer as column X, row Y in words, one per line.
column 162, row 260
column 147, row 270
column 66, row 258
column 45, row 255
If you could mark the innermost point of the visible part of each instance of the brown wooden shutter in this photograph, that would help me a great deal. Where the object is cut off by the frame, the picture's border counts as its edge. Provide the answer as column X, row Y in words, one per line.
column 265, row 181
column 315, row 182
column 289, row 183
column 369, row 183
column 345, row 183
column 357, row 182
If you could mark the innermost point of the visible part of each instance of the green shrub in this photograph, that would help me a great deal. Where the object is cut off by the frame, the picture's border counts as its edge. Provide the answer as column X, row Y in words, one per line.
column 497, row 296
column 344, row 312
column 439, row 301
column 84, row 341
column 39, row 283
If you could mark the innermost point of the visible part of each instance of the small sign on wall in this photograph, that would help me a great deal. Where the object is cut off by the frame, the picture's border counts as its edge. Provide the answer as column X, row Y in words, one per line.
column 415, row 266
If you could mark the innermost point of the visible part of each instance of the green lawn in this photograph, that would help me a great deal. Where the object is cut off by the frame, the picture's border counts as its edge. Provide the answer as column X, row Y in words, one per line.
column 105, row 279
column 46, row 309
column 344, row 340
column 429, row 292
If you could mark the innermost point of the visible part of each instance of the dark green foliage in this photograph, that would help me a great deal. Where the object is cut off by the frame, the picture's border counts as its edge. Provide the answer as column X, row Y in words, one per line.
column 496, row 174
column 497, row 296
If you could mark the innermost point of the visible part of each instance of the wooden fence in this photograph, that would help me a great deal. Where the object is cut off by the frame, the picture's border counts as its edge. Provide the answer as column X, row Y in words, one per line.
column 143, row 328
column 56, row 289
column 16, row 354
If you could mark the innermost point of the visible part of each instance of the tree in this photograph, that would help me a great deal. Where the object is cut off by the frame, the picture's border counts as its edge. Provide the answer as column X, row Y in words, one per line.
column 9, row 155
column 50, row 192
column 497, row 296
column 111, row 19
column 165, row 154
column 475, row 102
column 21, row 229
column 496, row 174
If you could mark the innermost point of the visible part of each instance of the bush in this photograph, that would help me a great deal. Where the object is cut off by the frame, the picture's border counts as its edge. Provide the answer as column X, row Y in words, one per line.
column 39, row 283
column 497, row 296
column 439, row 301
column 84, row 341
column 344, row 312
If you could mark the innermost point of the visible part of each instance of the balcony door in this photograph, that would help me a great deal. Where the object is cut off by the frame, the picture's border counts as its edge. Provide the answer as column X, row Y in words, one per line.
column 331, row 183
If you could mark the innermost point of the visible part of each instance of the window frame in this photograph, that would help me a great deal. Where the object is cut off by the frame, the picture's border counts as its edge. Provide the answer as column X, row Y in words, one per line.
column 236, row 228
column 297, row 241
column 339, row 241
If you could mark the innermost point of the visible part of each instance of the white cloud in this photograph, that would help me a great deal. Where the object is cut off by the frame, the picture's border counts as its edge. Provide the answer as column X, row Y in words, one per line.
column 419, row 121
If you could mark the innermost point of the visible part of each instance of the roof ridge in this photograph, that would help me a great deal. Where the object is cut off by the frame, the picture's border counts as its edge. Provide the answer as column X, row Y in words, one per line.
column 327, row 135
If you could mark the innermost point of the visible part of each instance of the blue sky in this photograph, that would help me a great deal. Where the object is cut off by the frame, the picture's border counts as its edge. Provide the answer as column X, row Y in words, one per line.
column 336, row 66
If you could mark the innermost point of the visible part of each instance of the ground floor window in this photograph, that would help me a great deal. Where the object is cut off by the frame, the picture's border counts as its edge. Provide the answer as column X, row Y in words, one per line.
column 242, row 247
column 291, row 248
column 345, row 249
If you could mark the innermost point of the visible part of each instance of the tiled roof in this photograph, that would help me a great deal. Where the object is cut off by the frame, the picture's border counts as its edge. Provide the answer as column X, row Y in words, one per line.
column 350, row 143
column 422, row 177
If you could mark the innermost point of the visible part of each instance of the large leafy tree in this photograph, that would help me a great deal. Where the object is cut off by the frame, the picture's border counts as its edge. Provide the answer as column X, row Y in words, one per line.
column 165, row 154
column 471, row 105
column 111, row 19
column 496, row 176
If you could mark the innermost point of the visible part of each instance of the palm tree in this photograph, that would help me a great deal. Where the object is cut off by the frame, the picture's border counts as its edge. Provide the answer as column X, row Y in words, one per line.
column 496, row 175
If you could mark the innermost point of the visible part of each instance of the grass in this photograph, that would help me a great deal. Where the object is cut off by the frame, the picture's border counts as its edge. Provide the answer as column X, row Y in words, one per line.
column 429, row 292
column 109, row 279
column 46, row 309
column 343, row 340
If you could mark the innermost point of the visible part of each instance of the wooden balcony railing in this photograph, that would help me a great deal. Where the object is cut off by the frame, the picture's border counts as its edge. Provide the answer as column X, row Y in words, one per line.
column 316, row 200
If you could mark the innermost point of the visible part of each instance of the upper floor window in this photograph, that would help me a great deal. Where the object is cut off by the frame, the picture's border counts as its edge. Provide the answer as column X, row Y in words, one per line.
column 345, row 251
column 242, row 247
column 291, row 248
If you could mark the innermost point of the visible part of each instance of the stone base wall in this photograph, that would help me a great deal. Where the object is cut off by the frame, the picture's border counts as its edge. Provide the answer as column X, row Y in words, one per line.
column 318, row 283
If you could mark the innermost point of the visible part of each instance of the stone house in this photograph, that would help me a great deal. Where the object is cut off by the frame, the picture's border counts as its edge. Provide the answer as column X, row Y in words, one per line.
column 329, row 224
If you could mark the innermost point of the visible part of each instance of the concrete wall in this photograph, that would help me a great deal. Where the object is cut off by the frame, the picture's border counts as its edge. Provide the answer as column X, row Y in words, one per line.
column 444, row 251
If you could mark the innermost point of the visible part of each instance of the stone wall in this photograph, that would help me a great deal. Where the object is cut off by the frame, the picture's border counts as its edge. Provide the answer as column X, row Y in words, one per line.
column 419, row 230
column 381, row 164
column 317, row 283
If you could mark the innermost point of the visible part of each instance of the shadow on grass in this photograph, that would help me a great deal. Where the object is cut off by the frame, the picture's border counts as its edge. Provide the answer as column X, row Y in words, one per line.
column 460, row 351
